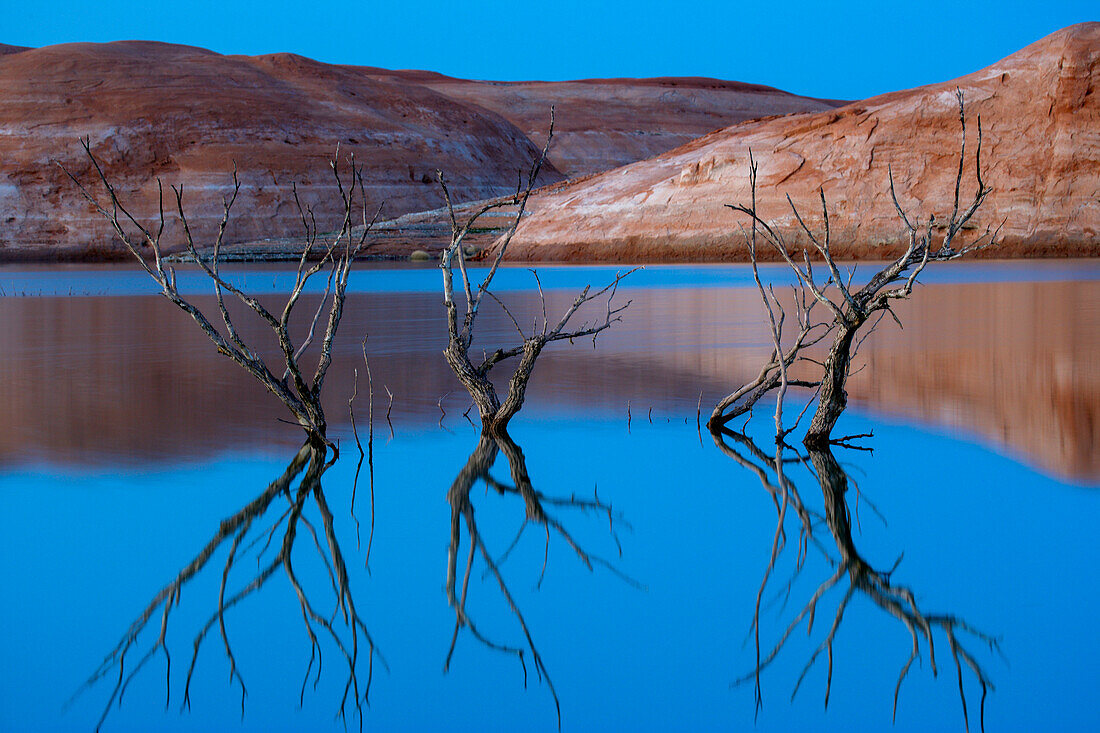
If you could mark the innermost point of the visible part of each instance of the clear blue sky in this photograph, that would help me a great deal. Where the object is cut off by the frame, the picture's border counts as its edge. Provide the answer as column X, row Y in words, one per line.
column 842, row 50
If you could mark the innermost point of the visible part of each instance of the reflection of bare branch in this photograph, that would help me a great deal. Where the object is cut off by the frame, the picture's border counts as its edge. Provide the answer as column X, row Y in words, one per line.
column 877, row 585
column 462, row 513
column 235, row 530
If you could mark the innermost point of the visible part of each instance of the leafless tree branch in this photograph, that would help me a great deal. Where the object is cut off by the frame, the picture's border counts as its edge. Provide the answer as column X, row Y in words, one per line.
column 493, row 411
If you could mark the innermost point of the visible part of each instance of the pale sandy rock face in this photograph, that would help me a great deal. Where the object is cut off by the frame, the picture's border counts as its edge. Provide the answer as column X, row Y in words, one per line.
column 1041, row 154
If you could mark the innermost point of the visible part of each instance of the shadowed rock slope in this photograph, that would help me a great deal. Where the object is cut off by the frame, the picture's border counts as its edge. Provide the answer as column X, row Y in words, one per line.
column 187, row 115
column 607, row 123
column 1040, row 112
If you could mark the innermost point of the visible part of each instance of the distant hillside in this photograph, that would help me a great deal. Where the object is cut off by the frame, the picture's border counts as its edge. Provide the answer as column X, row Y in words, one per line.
column 1040, row 111
column 186, row 115
column 607, row 123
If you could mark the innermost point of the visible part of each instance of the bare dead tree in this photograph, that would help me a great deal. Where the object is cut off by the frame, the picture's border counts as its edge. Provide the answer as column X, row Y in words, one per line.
column 897, row 600
column 474, row 377
column 296, row 386
column 848, row 309
column 535, row 503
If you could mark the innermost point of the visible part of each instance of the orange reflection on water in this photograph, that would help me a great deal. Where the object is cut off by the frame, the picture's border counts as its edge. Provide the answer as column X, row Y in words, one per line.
column 102, row 379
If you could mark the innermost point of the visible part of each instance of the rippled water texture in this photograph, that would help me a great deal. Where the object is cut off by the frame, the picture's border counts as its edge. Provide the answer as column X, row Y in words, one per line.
column 127, row 440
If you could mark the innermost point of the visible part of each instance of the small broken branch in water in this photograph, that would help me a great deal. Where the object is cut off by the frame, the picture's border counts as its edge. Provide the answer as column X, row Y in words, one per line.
column 368, row 455
column 848, row 309
column 494, row 412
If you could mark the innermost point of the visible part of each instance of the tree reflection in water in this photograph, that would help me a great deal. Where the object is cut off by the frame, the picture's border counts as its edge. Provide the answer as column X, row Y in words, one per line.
column 538, row 510
column 245, row 536
column 898, row 600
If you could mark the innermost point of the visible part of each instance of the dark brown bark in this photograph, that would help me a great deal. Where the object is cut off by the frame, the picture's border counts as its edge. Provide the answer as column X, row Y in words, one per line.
column 833, row 398
column 300, row 393
column 494, row 413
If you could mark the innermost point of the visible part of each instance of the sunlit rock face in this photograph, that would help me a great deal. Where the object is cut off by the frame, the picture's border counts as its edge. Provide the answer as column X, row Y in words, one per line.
column 186, row 116
column 1041, row 155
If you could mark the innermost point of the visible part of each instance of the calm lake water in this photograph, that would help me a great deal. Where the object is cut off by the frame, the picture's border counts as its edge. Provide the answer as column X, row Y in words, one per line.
column 128, row 440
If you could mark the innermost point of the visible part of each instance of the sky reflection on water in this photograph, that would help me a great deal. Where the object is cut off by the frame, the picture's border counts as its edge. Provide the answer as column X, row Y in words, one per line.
column 1007, row 549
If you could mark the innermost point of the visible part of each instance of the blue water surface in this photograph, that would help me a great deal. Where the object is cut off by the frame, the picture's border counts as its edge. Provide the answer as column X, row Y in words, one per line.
column 652, row 637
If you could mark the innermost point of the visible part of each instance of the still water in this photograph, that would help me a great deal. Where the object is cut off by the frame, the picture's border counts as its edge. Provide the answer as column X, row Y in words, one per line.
column 128, row 440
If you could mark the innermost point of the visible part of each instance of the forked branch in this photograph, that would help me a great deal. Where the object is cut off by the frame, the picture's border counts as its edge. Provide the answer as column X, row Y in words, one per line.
column 296, row 387
column 494, row 412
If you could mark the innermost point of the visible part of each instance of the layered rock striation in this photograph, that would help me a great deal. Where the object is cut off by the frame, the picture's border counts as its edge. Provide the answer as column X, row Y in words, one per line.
column 602, row 124
column 187, row 116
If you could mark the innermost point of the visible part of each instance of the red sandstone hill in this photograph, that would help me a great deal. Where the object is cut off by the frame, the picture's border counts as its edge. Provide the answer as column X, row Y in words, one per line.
column 606, row 123
column 186, row 114
column 1040, row 110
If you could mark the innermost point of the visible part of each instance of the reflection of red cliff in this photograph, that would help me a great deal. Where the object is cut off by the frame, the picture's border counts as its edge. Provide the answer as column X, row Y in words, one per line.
column 186, row 115
column 85, row 380
column 1013, row 362
column 1040, row 113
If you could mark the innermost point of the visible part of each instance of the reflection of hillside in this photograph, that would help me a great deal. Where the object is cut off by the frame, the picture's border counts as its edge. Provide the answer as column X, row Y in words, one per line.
column 1012, row 362
column 90, row 379
column 1015, row 362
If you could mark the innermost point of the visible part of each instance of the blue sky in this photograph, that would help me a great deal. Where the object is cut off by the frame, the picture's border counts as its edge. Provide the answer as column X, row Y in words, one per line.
column 848, row 50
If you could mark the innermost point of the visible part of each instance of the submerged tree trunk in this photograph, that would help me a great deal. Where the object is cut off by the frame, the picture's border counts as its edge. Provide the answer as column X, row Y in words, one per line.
column 477, row 384
column 833, row 397
column 495, row 414
column 848, row 308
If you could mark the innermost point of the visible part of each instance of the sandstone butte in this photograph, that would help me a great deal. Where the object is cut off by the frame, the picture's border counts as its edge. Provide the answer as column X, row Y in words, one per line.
column 185, row 115
column 1040, row 111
